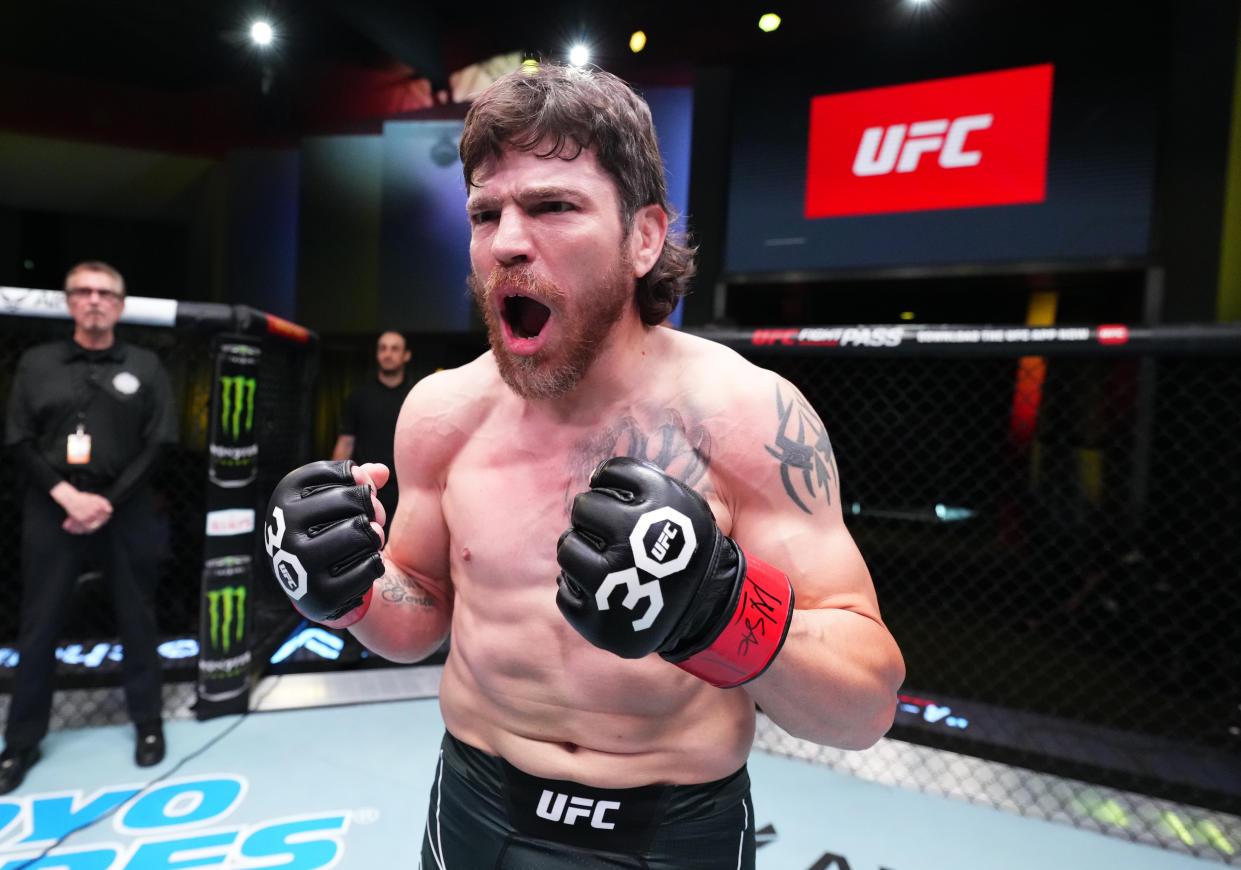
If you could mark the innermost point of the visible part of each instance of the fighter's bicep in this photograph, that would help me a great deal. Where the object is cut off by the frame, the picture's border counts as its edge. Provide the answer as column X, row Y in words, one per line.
column 818, row 554
column 798, row 451
column 418, row 534
column 789, row 513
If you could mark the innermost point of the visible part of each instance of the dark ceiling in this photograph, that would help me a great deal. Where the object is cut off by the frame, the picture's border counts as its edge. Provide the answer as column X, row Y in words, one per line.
column 183, row 74
column 187, row 44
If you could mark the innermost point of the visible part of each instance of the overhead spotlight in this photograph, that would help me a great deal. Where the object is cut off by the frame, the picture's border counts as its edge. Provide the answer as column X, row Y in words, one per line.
column 769, row 22
column 637, row 42
column 262, row 34
column 908, row 315
column 579, row 55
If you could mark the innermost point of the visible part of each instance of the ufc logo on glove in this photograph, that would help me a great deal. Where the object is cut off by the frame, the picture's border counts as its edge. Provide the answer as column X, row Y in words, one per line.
column 674, row 527
column 690, row 593
column 287, row 567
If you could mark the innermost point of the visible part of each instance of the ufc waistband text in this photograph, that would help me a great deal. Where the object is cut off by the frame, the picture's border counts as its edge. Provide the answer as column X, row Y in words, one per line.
column 616, row 820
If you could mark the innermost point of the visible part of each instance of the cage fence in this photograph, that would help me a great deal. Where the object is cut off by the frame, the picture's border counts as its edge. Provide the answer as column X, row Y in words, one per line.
column 1054, row 542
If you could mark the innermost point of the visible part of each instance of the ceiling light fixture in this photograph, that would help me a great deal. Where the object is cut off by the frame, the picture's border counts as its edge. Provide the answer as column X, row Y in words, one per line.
column 637, row 41
column 769, row 22
column 579, row 55
column 262, row 33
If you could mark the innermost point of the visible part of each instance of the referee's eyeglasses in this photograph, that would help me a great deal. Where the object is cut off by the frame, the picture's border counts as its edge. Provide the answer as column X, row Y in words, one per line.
column 103, row 293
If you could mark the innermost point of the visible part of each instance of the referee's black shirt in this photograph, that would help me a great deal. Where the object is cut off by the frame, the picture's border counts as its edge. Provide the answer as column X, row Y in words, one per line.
column 121, row 397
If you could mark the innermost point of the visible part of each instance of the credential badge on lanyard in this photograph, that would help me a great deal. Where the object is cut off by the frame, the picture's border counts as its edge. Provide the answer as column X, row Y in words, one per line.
column 77, row 451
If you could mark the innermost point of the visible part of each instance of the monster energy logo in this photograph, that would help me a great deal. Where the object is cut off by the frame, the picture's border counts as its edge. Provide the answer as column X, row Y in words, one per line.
column 237, row 404
column 226, row 613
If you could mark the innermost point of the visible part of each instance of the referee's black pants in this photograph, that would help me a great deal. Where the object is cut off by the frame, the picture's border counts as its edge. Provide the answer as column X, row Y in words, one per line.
column 125, row 548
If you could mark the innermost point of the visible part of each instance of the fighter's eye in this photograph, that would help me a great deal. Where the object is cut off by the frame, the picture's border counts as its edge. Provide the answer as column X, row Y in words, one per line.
column 525, row 316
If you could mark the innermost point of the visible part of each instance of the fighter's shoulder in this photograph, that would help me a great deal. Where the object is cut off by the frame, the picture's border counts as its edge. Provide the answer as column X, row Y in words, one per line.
column 450, row 401
column 722, row 379
column 748, row 410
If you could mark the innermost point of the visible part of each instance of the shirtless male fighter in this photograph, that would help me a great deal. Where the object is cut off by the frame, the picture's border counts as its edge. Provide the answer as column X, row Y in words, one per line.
column 634, row 534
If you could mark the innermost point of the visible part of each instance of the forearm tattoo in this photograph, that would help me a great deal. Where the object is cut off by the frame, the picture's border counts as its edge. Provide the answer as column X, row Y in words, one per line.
column 399, row 589
column 682, row 450
column 807, row 463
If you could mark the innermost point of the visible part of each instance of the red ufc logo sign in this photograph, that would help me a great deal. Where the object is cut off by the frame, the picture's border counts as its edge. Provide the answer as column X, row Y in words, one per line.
column 950, row 143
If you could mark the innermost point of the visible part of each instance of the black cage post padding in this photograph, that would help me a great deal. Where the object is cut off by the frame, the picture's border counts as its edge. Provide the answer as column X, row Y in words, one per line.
column 233, row 520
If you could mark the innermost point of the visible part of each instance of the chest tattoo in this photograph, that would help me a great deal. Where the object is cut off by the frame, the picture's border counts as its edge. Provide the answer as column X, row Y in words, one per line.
column 681, row 449
column 807, row 463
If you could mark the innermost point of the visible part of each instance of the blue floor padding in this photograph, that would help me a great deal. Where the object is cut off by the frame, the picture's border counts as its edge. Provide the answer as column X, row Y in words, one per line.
column 347, row 787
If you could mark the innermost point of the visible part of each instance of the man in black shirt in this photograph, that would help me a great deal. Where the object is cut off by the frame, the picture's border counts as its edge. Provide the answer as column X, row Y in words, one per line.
column 368, row 419
column 87, row 420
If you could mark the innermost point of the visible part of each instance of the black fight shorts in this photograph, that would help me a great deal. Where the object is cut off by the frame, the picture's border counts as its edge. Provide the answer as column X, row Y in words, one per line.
column 486, row 814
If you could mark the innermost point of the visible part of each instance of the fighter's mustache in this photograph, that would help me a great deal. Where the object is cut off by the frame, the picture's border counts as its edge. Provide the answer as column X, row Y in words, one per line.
column 521, row 280
column 524, row 300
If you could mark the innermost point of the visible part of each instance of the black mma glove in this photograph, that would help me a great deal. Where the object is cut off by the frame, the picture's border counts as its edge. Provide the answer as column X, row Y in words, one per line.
column 323, row 550
column 644, row 568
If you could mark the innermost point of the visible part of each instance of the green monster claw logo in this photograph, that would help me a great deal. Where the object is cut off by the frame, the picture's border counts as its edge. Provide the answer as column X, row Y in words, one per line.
column 236, row 403
column 222, row 605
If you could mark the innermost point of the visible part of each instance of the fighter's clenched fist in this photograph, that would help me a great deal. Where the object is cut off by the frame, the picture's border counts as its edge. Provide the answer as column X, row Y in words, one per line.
column 323, row 534
column 645, row 568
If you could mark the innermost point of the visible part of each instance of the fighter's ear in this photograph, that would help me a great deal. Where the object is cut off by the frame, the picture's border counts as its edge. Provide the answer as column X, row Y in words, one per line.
column 646, row 239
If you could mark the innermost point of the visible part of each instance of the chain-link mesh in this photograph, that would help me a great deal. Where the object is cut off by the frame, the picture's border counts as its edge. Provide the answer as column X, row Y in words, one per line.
column 88, row 671
column 1054, row 542
column 345, row 361
column 285, row 408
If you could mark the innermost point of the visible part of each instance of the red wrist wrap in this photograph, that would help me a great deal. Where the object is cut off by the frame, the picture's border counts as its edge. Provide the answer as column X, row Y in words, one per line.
column 754, row 634
column 349, row 618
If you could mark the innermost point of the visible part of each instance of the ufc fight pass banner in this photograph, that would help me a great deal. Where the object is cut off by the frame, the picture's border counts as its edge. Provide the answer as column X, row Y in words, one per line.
column 227, row 609
column 951, row 143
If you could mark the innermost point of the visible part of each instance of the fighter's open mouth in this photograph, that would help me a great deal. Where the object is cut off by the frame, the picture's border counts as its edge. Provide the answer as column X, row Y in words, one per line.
column 525, row 316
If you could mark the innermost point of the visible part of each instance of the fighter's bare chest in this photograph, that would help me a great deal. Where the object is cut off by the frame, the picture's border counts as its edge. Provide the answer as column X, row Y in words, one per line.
column 510, row 490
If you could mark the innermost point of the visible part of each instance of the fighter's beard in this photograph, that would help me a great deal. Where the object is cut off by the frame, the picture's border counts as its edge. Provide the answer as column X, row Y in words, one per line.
column 553, row 371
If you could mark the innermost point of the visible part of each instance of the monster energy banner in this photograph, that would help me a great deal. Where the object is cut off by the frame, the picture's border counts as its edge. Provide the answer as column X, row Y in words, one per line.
column 234, row 455
column 224, row 630
column 232, row 467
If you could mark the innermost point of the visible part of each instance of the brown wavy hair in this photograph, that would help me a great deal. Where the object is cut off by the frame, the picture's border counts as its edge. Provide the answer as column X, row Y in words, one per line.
column 553, row 110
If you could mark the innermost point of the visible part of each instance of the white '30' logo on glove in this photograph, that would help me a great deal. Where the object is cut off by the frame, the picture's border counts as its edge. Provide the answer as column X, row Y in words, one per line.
column 288, row 568
column 675, row 526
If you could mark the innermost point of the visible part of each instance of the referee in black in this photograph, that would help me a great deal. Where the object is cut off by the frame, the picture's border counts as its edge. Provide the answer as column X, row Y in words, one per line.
column 87, row 420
